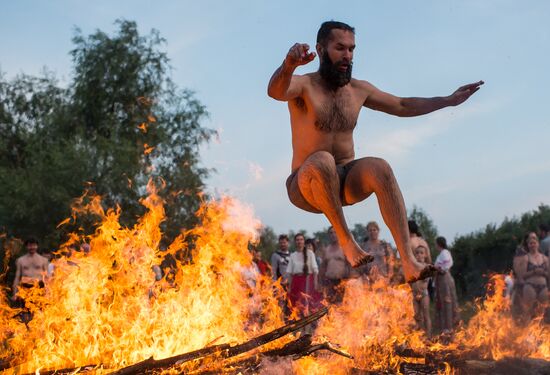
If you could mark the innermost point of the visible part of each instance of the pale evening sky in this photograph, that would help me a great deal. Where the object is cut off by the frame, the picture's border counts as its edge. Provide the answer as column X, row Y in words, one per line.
column 466, row 166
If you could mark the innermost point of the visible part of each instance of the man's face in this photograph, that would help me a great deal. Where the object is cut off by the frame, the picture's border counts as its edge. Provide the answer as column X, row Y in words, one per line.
column 32, row 248
column 332, row 236
column 300, row 242
column 373, row 232
column 283, row 244
column 337, row 58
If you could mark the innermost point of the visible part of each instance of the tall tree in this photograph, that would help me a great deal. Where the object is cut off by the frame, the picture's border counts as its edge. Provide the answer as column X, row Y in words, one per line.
column 41, row 170
column 136, row 124
column 120, row 122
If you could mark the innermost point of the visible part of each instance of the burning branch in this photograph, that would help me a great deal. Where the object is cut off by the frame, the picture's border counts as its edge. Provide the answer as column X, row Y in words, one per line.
column 298, row 348
column 224, row 350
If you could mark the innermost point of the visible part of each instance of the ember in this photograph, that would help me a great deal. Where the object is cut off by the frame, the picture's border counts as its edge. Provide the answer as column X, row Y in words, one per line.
column 103, row 309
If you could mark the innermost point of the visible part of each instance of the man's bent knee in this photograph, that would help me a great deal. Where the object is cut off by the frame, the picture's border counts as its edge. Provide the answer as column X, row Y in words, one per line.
column 295, row 195
column 383, row 171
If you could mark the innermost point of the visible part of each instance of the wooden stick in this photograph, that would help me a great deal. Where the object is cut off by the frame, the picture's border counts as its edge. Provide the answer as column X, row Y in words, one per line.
column 224, row 350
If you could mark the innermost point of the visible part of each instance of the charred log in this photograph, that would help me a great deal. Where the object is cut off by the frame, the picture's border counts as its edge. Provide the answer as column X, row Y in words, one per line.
column 224, row 351
column 295, row 349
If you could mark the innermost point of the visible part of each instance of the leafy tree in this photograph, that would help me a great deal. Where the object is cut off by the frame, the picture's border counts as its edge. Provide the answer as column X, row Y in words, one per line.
column 136, row 124
column 359, row 232
column 120, row 122
column 41, row 170
column 268, row 242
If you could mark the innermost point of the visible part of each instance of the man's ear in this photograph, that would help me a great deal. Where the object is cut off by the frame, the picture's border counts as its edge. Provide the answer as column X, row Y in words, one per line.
column 319, row 49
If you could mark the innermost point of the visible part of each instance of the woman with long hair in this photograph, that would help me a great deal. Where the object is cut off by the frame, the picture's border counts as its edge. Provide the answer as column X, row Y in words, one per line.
column 302, row 272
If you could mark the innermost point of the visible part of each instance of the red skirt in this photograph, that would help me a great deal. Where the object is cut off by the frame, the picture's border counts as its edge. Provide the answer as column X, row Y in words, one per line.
column 302, row 294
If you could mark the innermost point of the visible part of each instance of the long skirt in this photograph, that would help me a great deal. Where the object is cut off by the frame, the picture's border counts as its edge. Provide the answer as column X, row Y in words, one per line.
column 302, row 294
column 446, row 302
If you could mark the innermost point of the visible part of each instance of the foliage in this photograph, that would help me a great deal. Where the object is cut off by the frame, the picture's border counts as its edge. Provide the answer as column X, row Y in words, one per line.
column 268, row 242
column 479, row 254
column 41, row 169
column 359, row 232
column 118, row 123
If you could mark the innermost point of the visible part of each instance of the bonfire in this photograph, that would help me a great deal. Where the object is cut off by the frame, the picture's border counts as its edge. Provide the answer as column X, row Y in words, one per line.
column 104, row 312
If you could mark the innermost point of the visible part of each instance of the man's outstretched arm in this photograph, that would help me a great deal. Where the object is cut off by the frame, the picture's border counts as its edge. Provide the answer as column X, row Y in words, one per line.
column 408, row 107
column 284, row 85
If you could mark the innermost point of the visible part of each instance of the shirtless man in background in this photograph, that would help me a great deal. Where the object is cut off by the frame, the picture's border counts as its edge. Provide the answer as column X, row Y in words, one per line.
column 324, row 107
column 334, row 269
column 31, row 268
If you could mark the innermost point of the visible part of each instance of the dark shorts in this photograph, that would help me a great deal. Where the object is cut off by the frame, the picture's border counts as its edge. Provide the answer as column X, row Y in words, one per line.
column 298, row 199
column 39, row 284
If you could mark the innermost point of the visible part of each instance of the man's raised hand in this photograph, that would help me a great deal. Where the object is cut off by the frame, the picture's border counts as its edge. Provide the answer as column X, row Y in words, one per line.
column 464, row 92
column 298, row 55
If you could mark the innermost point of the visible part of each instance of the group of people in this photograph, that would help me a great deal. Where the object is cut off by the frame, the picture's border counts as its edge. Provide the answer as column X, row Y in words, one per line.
column 529, row 287
column 314, row 272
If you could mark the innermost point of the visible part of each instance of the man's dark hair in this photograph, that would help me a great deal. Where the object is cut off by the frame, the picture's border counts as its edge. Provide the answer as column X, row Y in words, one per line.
column 299, row 234
column 413, row 228
column 30, row 240
column 283, row 237
column 323, row 35
column 544, row 227
column 441, row 242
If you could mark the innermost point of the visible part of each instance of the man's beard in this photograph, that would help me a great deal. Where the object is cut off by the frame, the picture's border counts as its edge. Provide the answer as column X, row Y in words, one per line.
column 331, row 74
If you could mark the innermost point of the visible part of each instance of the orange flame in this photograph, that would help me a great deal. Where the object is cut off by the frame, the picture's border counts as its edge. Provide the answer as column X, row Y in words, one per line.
column 105, row 307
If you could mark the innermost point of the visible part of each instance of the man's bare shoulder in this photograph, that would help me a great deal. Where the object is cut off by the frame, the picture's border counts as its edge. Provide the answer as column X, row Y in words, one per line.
column 304, row 77
column 362, row 85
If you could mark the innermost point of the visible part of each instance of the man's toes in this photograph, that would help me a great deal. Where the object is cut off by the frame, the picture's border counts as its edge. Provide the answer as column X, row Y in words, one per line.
column 428, row 271
column 367, row 258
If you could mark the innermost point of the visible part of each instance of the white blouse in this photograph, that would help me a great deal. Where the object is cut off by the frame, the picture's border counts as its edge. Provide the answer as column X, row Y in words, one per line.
column 296, row 263
column 444, row 260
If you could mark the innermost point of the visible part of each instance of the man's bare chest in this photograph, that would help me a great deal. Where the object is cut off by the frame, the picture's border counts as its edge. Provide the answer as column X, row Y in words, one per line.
column 334, row 111
column 32, row 265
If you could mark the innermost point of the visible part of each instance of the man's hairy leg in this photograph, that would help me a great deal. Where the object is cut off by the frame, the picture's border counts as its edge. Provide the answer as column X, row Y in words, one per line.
column 319, row 184
column 370, row 175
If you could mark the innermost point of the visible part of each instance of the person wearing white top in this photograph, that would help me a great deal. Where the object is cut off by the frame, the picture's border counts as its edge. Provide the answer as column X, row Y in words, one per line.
column 446, row 302
column 302, row 271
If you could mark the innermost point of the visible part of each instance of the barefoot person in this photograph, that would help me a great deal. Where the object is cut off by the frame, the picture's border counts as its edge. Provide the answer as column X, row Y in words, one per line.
column 30, row 276
column 31, row 269
column 324, row 107
column 533, row 272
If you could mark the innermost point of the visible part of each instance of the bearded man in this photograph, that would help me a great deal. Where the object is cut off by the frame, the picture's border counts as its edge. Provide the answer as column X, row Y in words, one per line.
column 324, row 107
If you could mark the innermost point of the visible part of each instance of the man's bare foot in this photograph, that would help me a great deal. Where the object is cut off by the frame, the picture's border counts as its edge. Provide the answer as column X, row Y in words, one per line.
column 355, row 255
column 426, row 272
